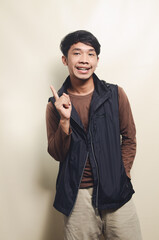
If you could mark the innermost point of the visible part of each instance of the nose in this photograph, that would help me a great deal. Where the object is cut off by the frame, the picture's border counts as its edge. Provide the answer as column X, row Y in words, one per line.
column 84, row 59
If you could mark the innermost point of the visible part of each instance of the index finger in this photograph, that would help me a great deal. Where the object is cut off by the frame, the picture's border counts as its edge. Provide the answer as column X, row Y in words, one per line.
column 56, row 96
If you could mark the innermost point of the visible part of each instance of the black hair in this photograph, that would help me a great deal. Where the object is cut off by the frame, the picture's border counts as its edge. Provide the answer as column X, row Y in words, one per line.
column 79, row 36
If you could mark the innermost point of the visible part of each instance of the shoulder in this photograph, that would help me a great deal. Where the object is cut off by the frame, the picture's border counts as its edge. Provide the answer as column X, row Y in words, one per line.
column 107, row 84
column 50, row 106
column 121, row 94
column 114, row 87
column 109, row 87
column 116, row 90
column 51, row 100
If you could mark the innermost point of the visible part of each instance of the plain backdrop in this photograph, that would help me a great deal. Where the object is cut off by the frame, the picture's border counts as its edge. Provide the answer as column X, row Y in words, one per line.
column 30, row 60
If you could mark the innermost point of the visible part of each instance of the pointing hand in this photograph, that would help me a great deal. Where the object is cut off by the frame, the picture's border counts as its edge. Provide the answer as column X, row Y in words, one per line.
column 62, row 104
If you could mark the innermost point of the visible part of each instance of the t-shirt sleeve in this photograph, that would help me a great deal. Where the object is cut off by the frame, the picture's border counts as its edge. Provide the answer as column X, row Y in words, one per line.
column 127, row 131
column 58, row 140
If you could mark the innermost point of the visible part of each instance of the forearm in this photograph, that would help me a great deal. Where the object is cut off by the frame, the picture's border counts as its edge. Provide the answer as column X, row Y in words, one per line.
column 59, row 137
column 128, row 149
column 58, row 144
column 65, row 125
column 127, row 131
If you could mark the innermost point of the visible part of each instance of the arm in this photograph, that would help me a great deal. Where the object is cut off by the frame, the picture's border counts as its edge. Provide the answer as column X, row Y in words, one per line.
column 127, row 131
column 58, row 131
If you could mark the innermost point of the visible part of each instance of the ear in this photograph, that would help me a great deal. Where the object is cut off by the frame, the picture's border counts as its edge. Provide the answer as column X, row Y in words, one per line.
column 64, row 60
column 97, row 60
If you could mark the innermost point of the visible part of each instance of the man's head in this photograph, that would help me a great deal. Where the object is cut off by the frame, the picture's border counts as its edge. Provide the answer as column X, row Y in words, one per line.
column 80, row 54
column 79, row 36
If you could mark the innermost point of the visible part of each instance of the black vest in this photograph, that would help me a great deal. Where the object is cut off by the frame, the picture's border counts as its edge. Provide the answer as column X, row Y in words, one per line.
column 112, row 187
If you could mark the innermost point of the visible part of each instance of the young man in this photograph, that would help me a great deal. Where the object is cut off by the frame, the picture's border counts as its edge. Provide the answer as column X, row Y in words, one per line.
column 91, row 132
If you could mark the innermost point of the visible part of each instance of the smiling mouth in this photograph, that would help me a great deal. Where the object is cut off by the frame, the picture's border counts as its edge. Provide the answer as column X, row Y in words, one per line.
column 83, row 69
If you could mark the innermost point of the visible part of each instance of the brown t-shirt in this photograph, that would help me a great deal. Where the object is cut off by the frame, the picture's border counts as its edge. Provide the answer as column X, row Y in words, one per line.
column 82, row 106
column 58, row 139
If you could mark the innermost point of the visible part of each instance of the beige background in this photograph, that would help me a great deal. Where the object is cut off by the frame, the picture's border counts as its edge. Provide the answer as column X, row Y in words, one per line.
column 30, row 61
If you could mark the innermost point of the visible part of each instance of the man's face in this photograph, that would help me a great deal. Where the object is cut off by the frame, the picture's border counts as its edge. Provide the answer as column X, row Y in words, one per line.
column 81, row 61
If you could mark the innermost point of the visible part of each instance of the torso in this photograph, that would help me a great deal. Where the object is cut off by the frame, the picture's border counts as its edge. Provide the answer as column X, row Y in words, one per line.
column 82, row 106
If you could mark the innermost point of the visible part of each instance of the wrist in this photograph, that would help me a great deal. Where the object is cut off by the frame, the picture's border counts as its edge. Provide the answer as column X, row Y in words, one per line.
column 65, row 125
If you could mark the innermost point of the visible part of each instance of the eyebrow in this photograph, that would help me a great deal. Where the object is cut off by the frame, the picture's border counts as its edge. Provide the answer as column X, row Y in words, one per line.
column 79, row 49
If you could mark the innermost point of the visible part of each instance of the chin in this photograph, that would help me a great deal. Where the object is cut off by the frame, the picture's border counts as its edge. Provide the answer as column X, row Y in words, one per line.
column 84, row 78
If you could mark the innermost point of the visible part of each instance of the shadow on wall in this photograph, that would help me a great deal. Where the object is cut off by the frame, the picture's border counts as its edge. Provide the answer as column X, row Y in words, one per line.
column 53, row 222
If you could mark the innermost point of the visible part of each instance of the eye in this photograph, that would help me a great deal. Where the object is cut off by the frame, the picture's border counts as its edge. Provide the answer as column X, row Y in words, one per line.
column 91, row 54
column 76, row 53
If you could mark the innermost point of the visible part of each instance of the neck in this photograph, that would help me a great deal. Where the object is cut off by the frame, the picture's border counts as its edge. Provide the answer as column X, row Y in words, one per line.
column 81, row 87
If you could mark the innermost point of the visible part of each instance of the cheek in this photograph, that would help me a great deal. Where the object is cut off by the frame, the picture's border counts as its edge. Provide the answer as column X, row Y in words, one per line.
column 71, row 64
column 71, row 68
column 94, row 65
column 94, row 62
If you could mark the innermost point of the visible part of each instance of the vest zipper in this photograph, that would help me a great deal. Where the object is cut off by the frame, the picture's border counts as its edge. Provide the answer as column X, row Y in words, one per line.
column 79, row 182
column 96, row 205
column 83, row 169
column 77, row 124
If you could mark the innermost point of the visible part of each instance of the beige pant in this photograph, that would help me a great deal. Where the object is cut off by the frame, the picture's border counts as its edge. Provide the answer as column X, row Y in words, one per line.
column 85, row 223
